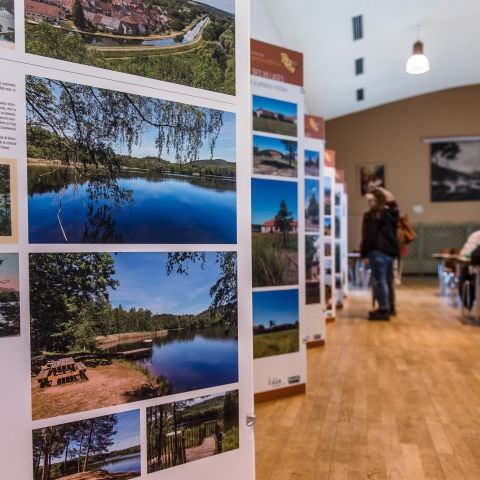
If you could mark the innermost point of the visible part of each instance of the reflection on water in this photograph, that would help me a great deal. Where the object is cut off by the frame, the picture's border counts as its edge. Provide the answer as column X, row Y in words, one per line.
column 190, row 359
column 124, row 464
column 159, row 208
column 188, row 37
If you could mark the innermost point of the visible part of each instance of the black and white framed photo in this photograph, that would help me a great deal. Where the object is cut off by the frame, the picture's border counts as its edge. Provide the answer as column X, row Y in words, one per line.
column 455, row 170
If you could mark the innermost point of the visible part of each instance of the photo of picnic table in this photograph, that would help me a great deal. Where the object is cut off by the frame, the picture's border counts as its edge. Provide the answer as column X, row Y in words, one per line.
column 59, row 372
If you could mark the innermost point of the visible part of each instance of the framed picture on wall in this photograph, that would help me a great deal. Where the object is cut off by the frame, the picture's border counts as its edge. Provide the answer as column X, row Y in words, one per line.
column 371, row 176
column 455, row 171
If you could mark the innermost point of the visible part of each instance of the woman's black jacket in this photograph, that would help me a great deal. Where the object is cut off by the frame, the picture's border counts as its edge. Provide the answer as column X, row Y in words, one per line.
column 379, row 231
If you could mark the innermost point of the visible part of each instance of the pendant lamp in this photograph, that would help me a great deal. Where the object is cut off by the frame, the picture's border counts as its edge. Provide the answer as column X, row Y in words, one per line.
column 418, row 63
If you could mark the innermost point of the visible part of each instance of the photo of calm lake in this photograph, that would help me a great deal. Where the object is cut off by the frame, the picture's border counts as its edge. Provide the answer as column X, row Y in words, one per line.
column 146, row 324
column 110, row 167
column 106, row 448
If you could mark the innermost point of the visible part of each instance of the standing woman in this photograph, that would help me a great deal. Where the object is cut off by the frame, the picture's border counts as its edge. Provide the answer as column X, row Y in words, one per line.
column 380, row 247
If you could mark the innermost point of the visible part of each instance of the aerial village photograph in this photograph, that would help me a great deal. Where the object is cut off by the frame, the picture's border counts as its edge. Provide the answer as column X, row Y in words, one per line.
column 181, row 41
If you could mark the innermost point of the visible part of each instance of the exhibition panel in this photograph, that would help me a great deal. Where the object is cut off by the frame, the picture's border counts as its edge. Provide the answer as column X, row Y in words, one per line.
column 124, row 241
column 329, row 234
column 314, row 143
column 341, row 238
column 278, row 220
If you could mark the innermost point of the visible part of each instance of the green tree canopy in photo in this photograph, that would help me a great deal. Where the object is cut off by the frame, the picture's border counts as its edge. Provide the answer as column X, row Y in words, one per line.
column 283, row 220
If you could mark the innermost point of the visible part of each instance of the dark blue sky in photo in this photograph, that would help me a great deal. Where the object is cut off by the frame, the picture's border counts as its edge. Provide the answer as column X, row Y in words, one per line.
column 225, row 5
column 312, row 155
column 328, row 221
column 311, row 186
column 144, row 283
column 276, row 106
column 266, row 198
column 224, row 148
column 281, row 306
column 269, row 143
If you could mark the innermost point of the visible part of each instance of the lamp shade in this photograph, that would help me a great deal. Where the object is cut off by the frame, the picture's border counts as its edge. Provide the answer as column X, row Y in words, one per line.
column 418, row 63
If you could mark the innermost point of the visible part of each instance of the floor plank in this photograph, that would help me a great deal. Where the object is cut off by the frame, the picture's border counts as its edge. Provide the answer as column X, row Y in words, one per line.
column 385, row 401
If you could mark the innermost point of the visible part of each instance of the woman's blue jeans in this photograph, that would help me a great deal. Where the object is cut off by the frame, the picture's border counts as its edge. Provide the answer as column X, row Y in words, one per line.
column 381, row 264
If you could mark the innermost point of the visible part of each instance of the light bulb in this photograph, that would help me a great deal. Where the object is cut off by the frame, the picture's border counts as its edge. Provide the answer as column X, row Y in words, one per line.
column 418, row 63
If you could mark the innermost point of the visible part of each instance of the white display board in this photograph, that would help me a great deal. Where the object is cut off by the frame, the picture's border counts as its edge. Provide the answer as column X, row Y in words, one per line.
column 124, row 347
column 329, row 235
column 341, row 239
column 314, row 153
column 278, row 219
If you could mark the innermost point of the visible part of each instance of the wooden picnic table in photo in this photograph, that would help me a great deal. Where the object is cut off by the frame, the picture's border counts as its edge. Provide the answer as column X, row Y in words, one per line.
column 59, row 372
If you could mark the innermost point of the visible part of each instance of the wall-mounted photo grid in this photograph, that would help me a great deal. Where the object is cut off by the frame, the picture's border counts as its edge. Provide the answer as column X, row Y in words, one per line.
column 277, row 221
column 119, row 239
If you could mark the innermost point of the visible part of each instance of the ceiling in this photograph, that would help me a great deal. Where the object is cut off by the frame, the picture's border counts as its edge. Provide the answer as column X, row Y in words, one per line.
column 322, row 30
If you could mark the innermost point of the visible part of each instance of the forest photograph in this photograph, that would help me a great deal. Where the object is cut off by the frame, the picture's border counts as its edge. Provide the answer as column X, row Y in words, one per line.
column 190, row 430
column 327, row 195
column 179, row 41
column 312, row 268
column 274, row 156
column 274, row 116
column 6, row 227
column 111, row 167
column 275, row 323
column 113, row 328
column 312, row 163
column 312, row 205
column 9, row 295
column 101, row 448
column 274, row 233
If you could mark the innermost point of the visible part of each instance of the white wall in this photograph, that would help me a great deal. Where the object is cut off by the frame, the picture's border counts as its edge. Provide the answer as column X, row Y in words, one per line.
column 261, row 24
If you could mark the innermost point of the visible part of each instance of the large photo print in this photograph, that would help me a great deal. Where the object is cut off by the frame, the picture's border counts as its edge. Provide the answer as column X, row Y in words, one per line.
column 455, row 171
column 113, row 328
column 7, row 24
column 191, row 430
column 111, row 167
column 101, row 448
column 181, row 41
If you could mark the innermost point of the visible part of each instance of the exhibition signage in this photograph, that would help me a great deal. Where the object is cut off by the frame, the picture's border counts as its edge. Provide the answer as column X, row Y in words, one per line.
column 314, row 146
column 329, row 234
column 124, row 349
column 278, row 220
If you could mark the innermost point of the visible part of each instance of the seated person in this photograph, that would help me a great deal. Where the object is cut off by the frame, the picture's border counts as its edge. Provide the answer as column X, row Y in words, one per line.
column 468, row 296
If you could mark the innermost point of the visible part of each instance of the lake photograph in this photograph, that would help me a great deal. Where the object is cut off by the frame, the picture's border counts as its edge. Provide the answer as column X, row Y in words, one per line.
column 111, row 167
column 191, row 430
column 7, row 24
column 274, row 156
column 179, row 41
column 275, row 323
column 96, row 319
column 274, row 233
column 100, row 448
column 274, row 116
column 9, row 295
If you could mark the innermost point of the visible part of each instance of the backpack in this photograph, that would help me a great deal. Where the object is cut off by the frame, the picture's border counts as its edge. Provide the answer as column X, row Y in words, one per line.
column 405, row 232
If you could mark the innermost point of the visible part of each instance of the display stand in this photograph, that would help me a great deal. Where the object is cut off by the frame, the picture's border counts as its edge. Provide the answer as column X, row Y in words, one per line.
column 329, row 235
column 314, row 143
column 121, row 322
column 341, row 242
column 278, row 222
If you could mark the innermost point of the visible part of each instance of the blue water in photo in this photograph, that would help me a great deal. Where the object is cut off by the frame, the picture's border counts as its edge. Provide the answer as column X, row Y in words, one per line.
column 127, row 463
column 190, row 360
column 163, row 209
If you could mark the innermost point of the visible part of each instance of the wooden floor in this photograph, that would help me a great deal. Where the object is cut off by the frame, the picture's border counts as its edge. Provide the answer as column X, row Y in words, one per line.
column 391, row 401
